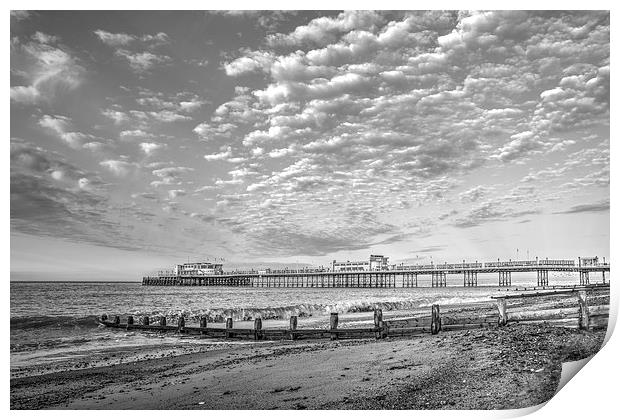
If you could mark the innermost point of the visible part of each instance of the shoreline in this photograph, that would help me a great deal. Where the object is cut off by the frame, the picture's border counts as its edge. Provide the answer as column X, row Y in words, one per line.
column 494, row 368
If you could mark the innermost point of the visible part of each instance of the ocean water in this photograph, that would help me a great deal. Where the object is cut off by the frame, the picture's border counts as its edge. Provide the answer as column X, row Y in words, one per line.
column 58, row 321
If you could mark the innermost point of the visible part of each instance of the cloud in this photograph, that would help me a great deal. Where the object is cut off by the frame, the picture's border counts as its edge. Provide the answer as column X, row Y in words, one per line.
column 142, row 62
column 47, row 69
column 252, row 62
column 28, row 158
column 51, row 197
column 473, row 194
column 119, row 168
column 118, row 117
column 176, row 193
column 386, row 121
column 122, row 39
column 114, row 40
column 219, row 156
column 150, row 148
column 44, row 38
column 131, row 134
column 325, row 30
column 20, row 14
column 63, row 128
column 587, row 208
column 170, row 175
column 491, row 212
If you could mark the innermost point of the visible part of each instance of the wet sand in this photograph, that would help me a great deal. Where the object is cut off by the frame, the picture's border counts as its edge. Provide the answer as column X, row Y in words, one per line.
column 511, row 367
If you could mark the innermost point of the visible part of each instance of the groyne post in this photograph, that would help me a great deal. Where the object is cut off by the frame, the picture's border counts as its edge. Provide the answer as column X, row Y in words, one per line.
column 258, row 326
column 378, row 322
column 203, row 322
column 333, row 324
column 435, row 320
column 129, row 321
column 584, row 313
column 181, row 324
column 117, row 319
column 162, row 321
column 293, row 326
column 501, row 307
column 229, row 326
column 145, row 320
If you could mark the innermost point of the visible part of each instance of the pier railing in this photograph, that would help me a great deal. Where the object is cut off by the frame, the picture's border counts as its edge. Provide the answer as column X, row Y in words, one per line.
column 579, row 307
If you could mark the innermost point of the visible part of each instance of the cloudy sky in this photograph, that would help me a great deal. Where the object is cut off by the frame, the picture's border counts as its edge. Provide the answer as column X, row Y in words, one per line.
column 139, row 139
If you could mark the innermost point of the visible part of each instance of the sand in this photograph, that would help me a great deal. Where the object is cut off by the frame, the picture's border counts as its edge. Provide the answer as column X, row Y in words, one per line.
column 511, row 367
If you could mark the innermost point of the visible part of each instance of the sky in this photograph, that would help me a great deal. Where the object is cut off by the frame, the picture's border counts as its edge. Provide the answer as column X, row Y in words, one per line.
column 144, row 139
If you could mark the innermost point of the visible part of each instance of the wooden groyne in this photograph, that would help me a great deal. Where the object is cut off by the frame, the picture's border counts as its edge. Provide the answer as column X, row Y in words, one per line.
column 584, row 308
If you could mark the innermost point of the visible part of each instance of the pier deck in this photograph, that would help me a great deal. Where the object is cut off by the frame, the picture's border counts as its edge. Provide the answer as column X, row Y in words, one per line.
column 404, row 278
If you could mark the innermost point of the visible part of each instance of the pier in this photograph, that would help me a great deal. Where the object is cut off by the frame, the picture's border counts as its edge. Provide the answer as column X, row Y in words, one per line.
column 394, row 277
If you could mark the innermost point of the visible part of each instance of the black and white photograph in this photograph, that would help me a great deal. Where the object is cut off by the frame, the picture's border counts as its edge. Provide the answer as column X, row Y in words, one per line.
column 306, row 209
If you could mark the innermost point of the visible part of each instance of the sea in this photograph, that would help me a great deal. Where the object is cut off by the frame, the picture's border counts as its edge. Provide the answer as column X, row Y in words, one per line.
column 53, row 322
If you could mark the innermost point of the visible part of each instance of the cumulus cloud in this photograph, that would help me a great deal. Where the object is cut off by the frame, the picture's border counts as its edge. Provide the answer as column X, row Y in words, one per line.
column 219, row 156
column 150, row 148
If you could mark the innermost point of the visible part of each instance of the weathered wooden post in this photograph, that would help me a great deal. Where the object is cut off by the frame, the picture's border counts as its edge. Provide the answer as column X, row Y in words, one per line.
column 435, row 320
column 584, row 312
column 104, row 318
column 145, row 320
column 117, row 319
column 229, row 325
column 203, row 322
column 333, row 324
column 293, row 328
column 501, row 307
column 378, row 322
column 258, row 326
column 181, row 324
column 129, row 321
column 162, row 321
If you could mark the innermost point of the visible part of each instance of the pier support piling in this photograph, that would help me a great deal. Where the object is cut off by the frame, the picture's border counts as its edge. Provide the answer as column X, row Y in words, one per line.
column 438, row 279
column 584, row 277
column 543, row 278
column 470, row 278
column 505, row 278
